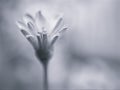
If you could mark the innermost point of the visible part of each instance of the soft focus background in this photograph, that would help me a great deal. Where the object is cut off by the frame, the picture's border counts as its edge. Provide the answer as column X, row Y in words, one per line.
column 87, row 56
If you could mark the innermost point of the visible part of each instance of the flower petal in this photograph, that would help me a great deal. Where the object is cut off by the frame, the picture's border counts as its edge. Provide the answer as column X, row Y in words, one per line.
column 54, row 40
column 57, row 25
column 40, row 21
column 32, row 28
column 40, row 17
column 45, row 40
column 29, row 36
column 39, row 37
column 33, row 41
column 24, row 32
column 63, row 30
column 29, row 17
column 21, row 25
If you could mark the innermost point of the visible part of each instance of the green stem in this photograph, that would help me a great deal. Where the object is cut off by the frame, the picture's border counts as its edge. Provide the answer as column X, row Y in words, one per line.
column 45, row 76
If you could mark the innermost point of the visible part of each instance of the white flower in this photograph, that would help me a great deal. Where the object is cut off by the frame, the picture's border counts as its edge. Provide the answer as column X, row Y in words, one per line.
column 36, row 31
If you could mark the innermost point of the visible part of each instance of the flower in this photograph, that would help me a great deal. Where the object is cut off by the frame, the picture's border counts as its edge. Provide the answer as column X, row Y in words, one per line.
column 36, row 31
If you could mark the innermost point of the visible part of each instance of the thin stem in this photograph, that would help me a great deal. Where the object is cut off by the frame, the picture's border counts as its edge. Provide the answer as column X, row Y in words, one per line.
column 45, row 76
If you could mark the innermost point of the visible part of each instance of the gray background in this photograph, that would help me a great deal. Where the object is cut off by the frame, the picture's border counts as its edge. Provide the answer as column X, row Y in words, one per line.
column 87, row 56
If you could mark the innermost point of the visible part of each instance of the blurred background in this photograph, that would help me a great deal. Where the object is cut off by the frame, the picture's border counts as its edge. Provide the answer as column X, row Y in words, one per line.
column 87, row 56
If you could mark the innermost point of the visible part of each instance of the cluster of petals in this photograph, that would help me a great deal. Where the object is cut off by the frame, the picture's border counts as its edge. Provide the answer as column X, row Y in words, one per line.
column 36, row 30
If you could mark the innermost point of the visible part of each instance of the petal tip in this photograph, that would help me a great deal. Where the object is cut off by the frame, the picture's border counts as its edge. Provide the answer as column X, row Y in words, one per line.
column 28, row 36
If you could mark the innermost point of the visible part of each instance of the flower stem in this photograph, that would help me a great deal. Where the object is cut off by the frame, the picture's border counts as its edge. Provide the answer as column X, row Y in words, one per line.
column 45, row 76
